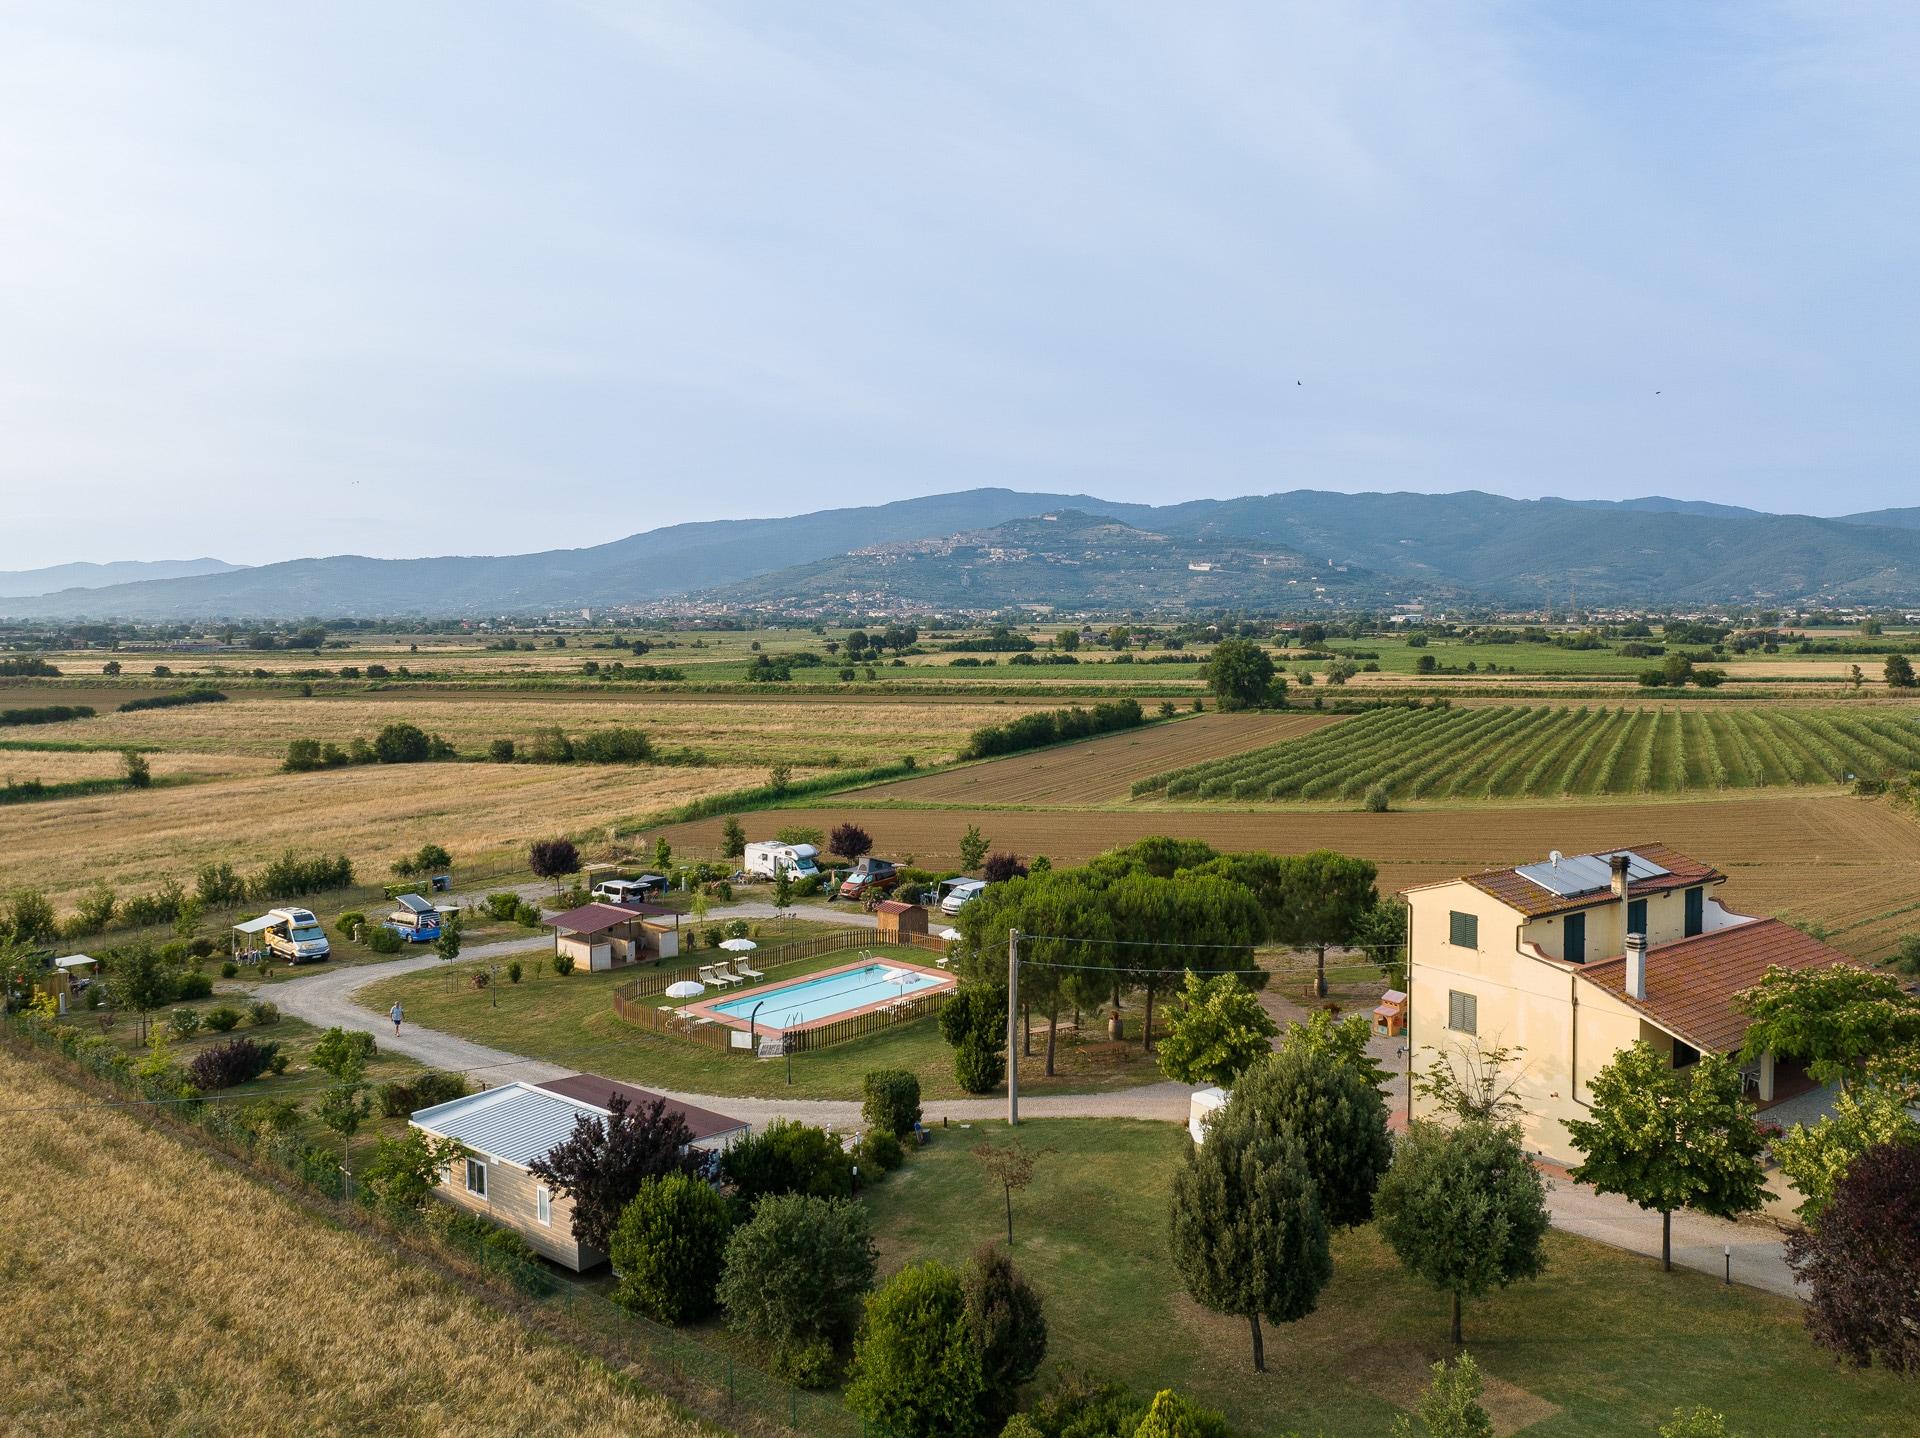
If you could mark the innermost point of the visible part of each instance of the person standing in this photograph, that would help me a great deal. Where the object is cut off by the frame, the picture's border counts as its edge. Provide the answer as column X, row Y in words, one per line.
column 396, row 1013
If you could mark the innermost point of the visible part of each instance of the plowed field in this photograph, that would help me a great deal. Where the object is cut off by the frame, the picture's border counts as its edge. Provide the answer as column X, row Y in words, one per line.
column 1098, row 771
column 1853, row 864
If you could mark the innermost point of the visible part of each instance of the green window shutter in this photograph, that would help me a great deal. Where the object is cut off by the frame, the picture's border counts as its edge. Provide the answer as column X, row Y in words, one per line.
column 1463, row 1012
column 1463, row 930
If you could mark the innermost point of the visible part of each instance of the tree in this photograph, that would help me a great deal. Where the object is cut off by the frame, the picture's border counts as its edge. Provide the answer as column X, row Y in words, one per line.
column 402, row 743
column 405, row 1169
column 1009, row 1331
column 28, row 917
column 1671, row 1138
column 662, row 853
column 974, row 1023
column 793, row 1279
column 1865, row 1116
column 1216, row 1032
column 134, row 767
column 1861, row 1262
column 1327, row 897
column 139, row 979
column 1337, row 1116
column 553, row 859
column 1381, row 933
column 973, row 848
column 849, row 841
column 1068, row 640
column 733, row 838
column 1899, row 672
column 344, row 1054
column 1464, row 1208
column 447, row 946
column 1240, row 673
column 782, row 888
column 1471, row 1082
column 1247, row 1232
column 1171, row 1416
column 668, row 1247
column 1835, row 1019
column 343, row 1107
column 788, row 1156
column 1450, row 1408
column 603, row 1162
column 1050, row 902
column 891, row 1101
column 1906, row 956
column 1326, row 1039
column 916, row 1369
column 998, row 868
column 1011, row 1166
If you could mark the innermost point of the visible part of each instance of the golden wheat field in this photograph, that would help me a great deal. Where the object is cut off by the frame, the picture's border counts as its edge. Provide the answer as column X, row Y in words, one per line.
column 150, row 1290
column 62, row 767
column 1853, row 864
column 373, row 814
column 742, row 730
column 1096, row 771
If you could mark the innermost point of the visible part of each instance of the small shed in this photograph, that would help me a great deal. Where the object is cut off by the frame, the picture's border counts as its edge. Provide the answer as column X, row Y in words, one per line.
column 1390, row 1015
column 897, row 920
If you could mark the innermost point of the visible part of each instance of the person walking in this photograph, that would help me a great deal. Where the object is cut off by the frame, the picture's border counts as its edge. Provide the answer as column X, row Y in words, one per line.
column 396, row 1013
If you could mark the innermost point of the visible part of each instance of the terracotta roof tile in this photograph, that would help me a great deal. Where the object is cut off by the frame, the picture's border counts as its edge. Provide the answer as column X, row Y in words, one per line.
column 1691, row 984
column 1520, row 893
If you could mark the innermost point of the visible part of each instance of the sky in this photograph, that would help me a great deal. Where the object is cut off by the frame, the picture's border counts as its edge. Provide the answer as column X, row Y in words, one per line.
column 486, row 277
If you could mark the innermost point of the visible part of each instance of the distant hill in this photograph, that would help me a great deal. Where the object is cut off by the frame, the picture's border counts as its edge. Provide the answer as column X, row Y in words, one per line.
column 1889, row 518
column 85, row 575
column 986, row 548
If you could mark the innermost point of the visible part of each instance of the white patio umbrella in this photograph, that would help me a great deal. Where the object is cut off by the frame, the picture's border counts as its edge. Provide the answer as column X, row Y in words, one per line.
column 686, row 989
column 739, row 946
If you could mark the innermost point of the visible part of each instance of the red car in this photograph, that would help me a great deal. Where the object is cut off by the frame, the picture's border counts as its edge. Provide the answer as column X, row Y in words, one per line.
column 869, row 877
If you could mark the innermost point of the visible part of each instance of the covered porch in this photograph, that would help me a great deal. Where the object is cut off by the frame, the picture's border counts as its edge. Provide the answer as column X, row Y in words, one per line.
column 598, row 937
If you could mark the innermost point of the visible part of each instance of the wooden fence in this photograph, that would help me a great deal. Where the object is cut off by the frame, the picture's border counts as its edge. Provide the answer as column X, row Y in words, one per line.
column 630, row 1000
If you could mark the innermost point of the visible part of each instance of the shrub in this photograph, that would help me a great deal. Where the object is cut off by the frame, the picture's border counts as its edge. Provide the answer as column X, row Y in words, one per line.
column 183, row 1023
column 263, row 1011
column 479, row 1236
column 514, row 971
column 794, row 1278
column 229, row 970
column 1377, row 801
column 668, row 1247
column 1008, row 1327
column 348, row 922
column 223, row 1019
column 563, row 964
column 526, row 915
column 502, row 906
column 383, row 940
column 978, row 1067
column 892, row 1101
column 788, row 1157
column 500, row 751
column 234, row 1062
column 199, row 947
column 199, row 694
column 879, row 1152
column 402, row 1097
column 194, row 985
column 916, row 1372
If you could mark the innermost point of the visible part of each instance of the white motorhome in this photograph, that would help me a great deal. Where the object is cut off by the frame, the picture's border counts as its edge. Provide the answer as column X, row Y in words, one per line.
column 296, row 936
column 800, row 861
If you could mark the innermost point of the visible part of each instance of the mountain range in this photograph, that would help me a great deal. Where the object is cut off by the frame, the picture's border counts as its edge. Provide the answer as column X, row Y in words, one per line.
column 984, row 549
column 19, row 583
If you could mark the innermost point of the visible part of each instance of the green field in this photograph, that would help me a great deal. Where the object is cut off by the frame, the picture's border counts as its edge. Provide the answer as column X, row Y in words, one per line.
column 1603, row 1343
column 1520, row 751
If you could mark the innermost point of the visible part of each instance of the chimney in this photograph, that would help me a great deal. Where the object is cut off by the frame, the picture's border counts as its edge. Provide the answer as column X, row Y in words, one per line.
column 1618, row 863
column 1637, row 966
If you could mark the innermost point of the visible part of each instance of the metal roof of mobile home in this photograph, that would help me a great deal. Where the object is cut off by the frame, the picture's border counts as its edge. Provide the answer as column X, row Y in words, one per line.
column 515, row 1123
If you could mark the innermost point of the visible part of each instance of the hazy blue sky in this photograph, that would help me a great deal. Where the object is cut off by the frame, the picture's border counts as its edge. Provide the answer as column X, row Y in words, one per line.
column 402, row 278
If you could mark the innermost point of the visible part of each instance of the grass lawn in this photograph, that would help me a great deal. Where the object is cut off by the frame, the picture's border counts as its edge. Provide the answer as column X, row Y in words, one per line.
column 1603, row 1344
column 572, row 1021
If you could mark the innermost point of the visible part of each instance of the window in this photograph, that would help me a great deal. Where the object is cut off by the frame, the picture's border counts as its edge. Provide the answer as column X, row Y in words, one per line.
column 1463, row 1012
column 1685, row 1055
column 1636, row 916
column 476, row 1178
column 543, row 1205
column 1463, row 930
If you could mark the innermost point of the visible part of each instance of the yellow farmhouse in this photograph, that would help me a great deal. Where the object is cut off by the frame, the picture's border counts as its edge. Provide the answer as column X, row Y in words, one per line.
column 1568, row 961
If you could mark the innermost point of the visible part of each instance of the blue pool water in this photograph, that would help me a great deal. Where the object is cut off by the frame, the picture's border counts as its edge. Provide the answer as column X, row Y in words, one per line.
column 786, row 1005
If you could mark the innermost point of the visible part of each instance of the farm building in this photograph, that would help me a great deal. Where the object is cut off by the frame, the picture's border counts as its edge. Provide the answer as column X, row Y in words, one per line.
column 1569, row 961
column 510, row 1127
column 610, row 936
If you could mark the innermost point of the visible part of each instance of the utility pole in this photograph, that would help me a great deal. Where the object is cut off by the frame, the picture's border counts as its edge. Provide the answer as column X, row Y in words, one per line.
column 1013, row 1028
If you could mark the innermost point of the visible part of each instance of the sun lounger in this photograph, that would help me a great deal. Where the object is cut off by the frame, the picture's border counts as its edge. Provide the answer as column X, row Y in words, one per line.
column 741, row 968
column 721, row 975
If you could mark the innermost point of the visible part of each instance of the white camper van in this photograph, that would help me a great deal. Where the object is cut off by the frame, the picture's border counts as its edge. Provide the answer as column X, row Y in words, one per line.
column 956, row 894
column 766, row 859
column 296, row 936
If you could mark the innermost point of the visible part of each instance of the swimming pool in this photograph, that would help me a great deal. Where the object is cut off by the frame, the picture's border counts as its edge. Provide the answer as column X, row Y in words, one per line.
column 835, row 994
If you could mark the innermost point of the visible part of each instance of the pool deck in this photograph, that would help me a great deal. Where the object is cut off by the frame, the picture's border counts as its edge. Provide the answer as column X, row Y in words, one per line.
column 709, row 1008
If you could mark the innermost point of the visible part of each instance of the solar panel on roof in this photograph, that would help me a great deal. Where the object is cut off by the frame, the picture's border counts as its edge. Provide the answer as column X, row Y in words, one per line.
column 1586, row 873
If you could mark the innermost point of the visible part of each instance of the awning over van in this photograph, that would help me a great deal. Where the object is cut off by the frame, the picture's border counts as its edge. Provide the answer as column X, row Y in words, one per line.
column 253, row 926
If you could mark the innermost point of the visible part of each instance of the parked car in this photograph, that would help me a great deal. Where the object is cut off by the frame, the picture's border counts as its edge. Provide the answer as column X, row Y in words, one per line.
column 869, row 877
column 956, row 894
column 630, row 891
